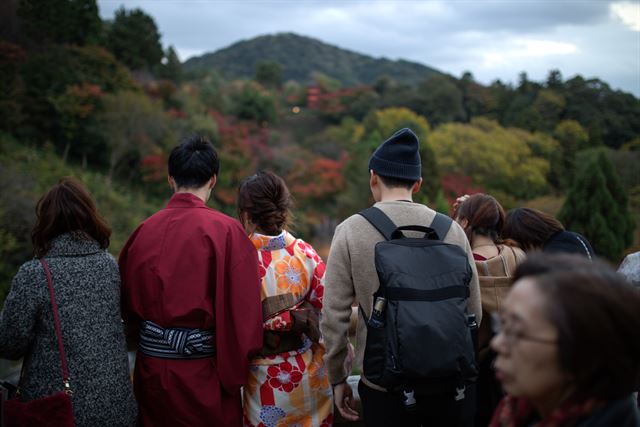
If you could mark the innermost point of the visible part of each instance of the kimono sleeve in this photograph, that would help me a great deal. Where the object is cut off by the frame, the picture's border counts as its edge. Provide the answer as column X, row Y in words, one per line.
column 238, row 313
column 131, row 325
column 316, row 293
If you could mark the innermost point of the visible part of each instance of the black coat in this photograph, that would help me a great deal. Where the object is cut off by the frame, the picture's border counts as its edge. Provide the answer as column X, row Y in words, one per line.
column 620, row 413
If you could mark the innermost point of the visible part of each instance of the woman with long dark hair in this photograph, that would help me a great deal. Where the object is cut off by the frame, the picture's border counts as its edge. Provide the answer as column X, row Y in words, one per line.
column 482, row 218
column 536, row 230
column 71, row 239
column 288, row 383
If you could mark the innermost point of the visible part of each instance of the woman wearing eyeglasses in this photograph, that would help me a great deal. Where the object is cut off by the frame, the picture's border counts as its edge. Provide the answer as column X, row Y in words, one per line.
column 568, row 346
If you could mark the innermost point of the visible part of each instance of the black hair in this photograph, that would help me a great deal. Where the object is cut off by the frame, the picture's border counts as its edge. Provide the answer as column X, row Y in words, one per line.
column 193, row 162
column 529, row 227
column 392, row 182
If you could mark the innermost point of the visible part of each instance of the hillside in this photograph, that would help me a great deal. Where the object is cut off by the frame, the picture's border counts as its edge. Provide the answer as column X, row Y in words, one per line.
column 301, row 56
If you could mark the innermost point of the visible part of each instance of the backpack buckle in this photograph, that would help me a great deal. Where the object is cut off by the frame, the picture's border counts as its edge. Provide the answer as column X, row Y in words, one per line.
column 409, row 400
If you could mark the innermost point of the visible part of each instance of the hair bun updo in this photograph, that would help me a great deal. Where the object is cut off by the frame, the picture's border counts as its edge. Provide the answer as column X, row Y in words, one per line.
column 265, row 198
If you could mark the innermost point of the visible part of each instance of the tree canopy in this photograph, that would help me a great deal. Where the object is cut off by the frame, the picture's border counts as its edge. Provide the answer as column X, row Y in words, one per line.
column 597, row 207
column 134, row 39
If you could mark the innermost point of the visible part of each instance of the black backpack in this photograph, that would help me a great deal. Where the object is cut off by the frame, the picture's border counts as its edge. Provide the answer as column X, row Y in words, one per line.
column 422, row 339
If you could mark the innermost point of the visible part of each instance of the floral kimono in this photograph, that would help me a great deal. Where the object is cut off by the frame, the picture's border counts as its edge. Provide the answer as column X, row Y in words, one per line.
column 288, row 388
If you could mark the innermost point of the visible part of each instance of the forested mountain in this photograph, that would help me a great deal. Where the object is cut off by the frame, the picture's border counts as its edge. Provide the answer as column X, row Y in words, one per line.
column 108, row 103
column 301, row 56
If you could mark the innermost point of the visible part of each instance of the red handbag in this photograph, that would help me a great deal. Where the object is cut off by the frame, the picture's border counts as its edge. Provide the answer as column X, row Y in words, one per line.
column 54, row 410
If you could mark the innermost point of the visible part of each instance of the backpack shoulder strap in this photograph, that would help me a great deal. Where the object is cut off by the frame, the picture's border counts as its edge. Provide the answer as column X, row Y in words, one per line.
column 441, row 225
column 379, row 220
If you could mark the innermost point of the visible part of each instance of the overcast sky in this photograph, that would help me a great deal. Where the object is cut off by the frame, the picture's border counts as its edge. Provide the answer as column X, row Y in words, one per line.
column 492, row 39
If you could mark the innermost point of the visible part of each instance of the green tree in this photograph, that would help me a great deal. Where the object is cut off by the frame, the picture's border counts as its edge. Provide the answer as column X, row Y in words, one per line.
column 441, row 101
column 11, row 85
column 476, row 98
column 597, row 207
column 171, row 67
column 611, row 117
column 269, row 74
column 325, row 82
column 554, row 79
column 61, row 21
column 75, row 108
column 571, row 138
column 253, row 103
column 617, row 191
column 134, row 39
column 509, row 160
column 131, row 125
column 549, row 105
column 211, row 93
column 47, row 76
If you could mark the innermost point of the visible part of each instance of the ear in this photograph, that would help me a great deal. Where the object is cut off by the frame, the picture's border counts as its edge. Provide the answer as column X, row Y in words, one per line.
column 416, row 186
column 373, row 178
column 243, row 217
column 249, row 226
column 172, row 182
column 213, row 181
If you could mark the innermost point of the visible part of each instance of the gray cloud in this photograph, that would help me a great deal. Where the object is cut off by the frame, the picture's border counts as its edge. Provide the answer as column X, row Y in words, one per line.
column 493, row 39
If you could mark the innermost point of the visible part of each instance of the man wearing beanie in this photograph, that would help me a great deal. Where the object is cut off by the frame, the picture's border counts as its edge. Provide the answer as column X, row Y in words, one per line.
column 351, row 277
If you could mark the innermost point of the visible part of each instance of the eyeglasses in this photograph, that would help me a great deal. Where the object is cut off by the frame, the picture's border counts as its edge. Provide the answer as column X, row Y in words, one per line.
column 513, row 336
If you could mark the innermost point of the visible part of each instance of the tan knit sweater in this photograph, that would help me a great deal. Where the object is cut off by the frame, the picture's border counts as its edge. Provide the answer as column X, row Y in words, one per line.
column 351, row 276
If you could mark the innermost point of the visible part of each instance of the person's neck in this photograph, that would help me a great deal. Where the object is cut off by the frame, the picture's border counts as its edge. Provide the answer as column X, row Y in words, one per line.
column 264, row 233
column 484, row 246
column 481, row 241
column 201, row 193
column 395, row 194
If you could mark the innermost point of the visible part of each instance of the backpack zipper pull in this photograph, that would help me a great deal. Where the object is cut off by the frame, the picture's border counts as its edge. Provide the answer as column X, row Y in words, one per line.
column 460, row 393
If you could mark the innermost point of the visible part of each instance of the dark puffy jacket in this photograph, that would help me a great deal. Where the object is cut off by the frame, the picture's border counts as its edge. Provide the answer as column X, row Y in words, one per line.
column 620, row 413
column 569, row 242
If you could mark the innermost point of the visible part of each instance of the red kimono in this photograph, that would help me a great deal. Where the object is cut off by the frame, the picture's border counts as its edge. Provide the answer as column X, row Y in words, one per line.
column 189, row 266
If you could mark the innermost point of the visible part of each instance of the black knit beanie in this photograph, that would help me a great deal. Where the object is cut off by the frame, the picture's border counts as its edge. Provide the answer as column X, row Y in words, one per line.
column 398, row 157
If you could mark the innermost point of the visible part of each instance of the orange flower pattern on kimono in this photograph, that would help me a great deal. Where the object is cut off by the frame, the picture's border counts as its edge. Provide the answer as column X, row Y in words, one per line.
column 291, row 388
column 291, row 276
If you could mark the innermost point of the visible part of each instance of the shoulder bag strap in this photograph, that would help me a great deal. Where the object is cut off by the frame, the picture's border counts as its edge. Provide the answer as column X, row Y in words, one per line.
column 56, row 321
column 380, row 221
column 441, row 224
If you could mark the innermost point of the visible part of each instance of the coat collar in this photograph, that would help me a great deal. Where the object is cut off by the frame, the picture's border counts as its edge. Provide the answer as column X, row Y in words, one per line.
column 272, row 243
column 73, row 244
column 185, row 200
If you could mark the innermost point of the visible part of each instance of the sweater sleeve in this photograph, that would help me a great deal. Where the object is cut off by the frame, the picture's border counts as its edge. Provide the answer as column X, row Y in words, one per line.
column 475, row 301
column 19, row 316
column 457, row 236
column 338, row 297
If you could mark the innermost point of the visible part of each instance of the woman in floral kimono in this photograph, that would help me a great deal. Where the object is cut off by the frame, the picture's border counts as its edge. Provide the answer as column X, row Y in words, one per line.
column 288, row 384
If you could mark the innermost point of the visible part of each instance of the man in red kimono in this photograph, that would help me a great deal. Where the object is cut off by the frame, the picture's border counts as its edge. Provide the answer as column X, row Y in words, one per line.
column 191, row 294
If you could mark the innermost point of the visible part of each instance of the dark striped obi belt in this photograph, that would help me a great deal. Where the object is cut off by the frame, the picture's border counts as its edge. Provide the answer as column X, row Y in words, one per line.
column 175, row 343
